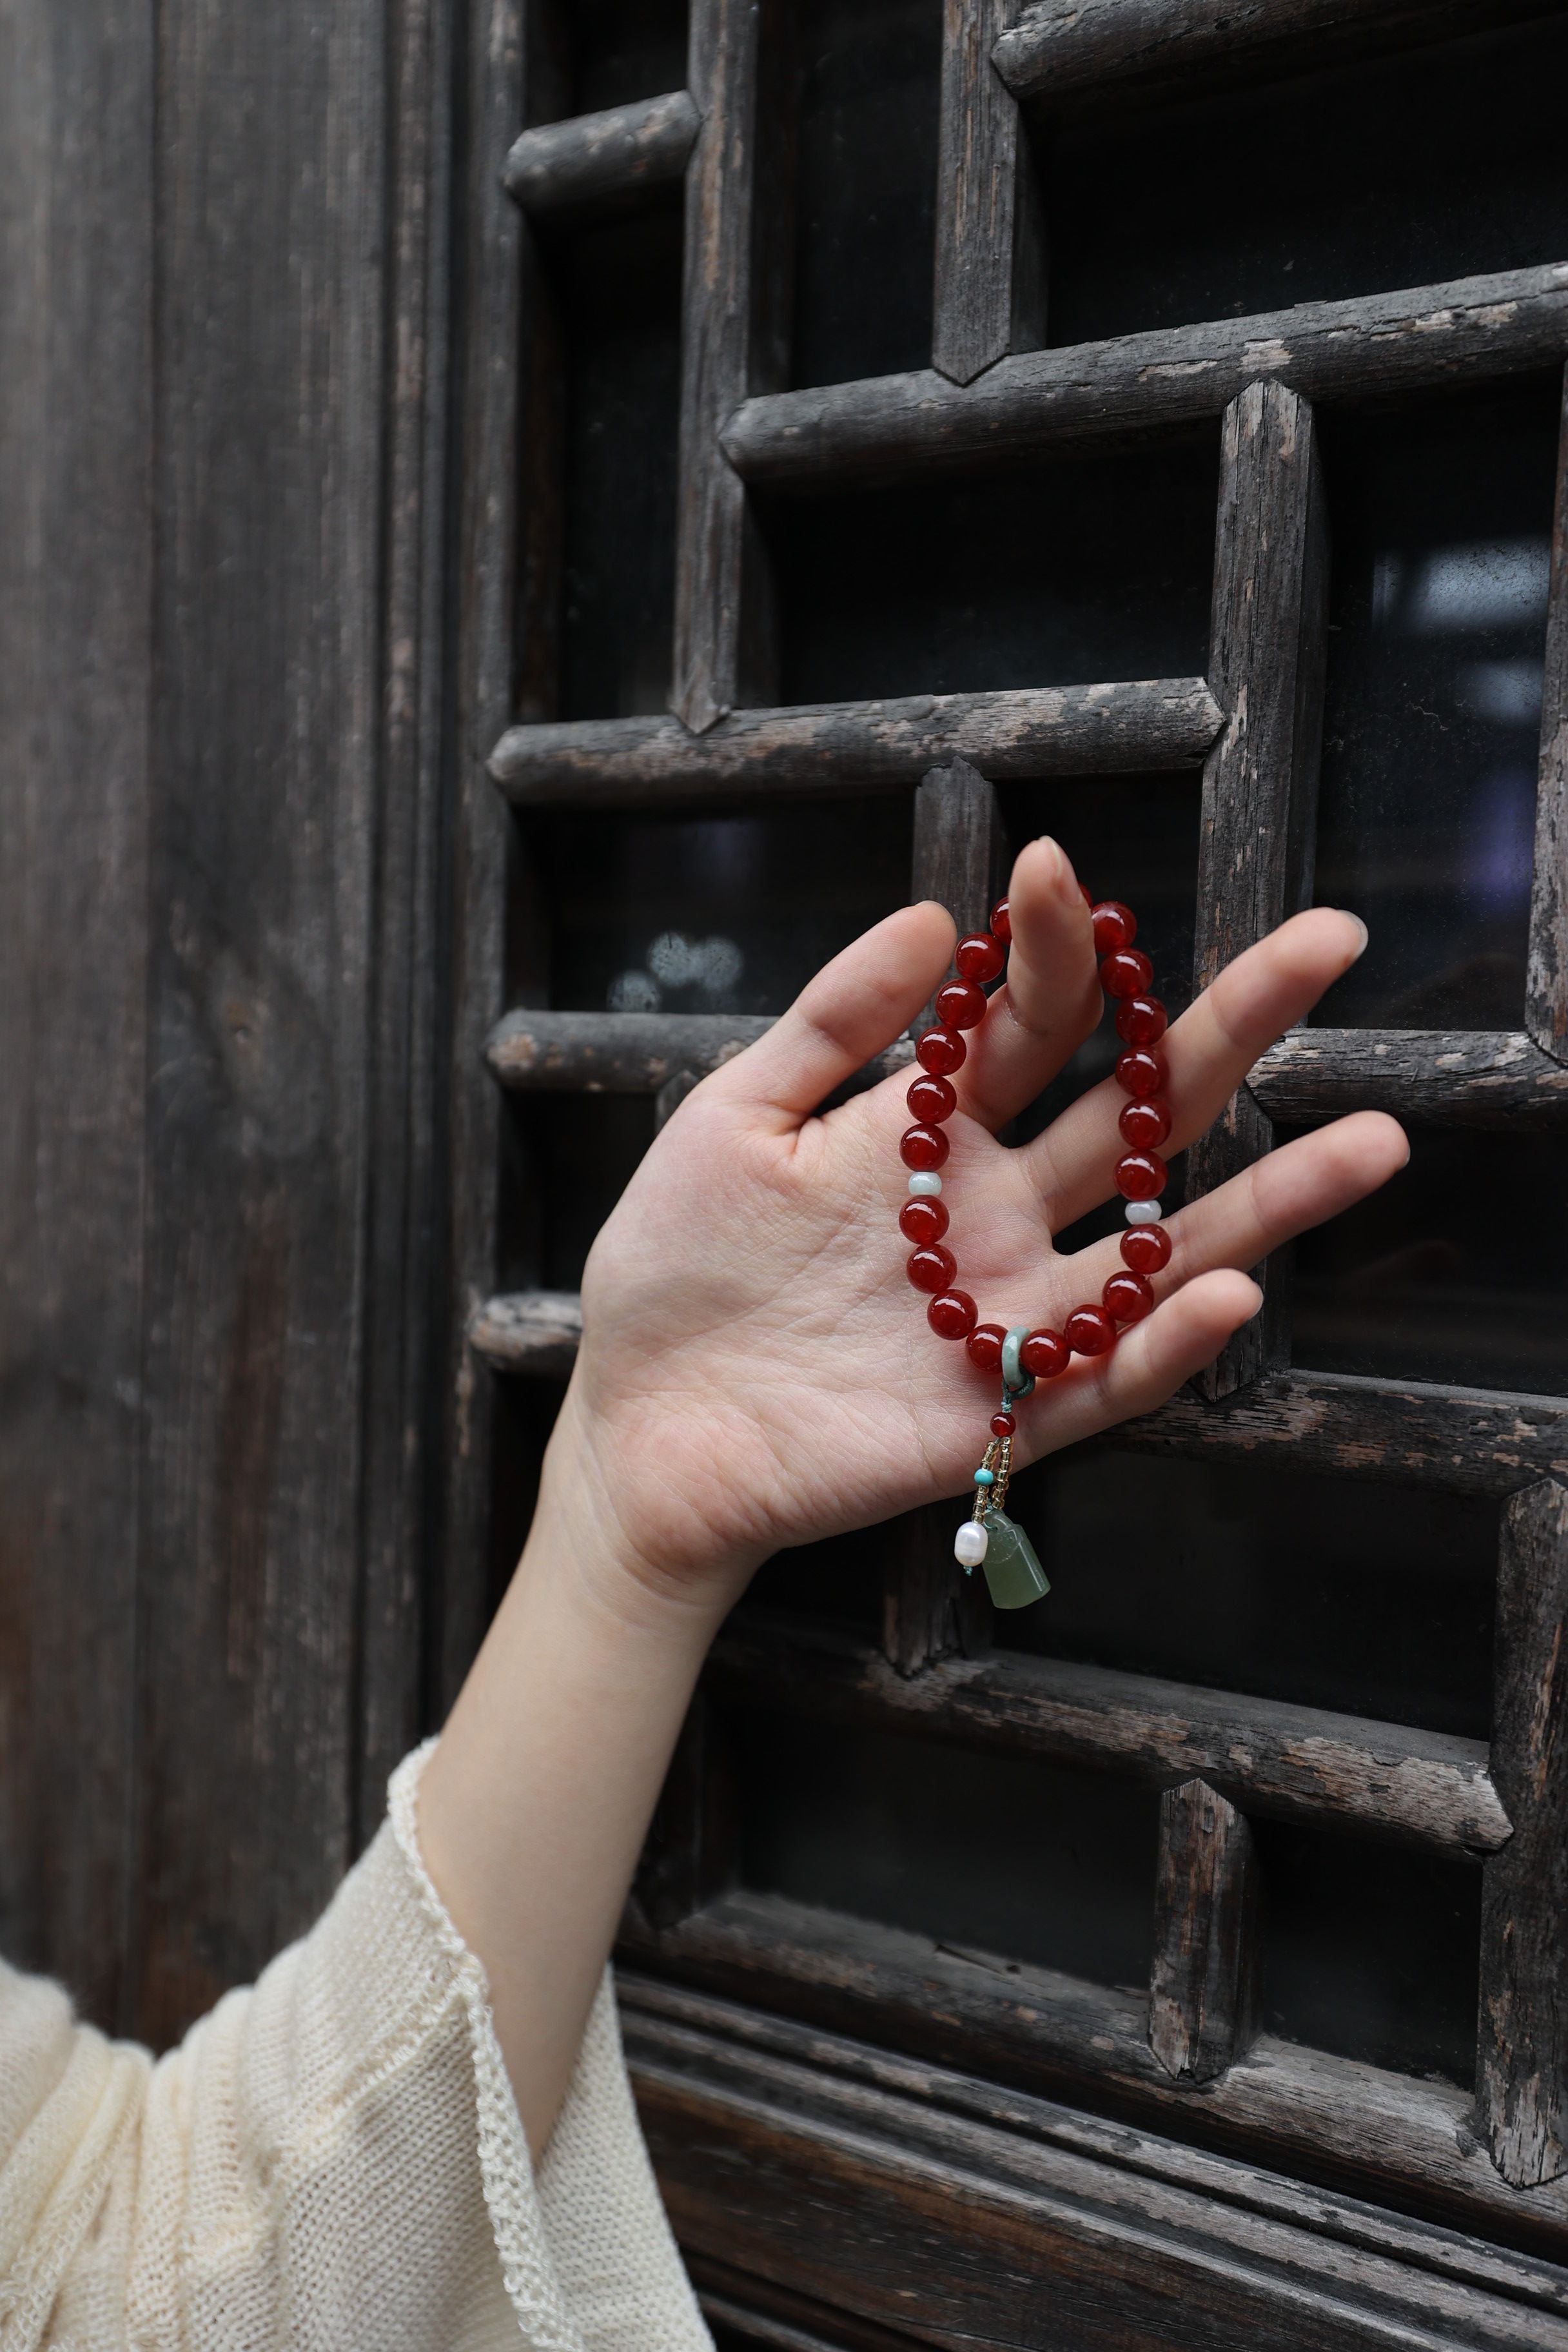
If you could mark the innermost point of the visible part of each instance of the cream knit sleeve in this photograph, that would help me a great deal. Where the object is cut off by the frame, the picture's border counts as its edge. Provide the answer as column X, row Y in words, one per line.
column 331, row 2161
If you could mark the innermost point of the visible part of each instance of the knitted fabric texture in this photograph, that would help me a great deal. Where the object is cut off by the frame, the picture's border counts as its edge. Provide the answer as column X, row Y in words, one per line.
column 331, row 2158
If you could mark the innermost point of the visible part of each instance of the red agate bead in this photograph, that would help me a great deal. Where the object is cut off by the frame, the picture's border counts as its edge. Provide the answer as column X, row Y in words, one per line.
column 1146, row 1248
column 932, row 1098
column 1126, row 973
column 1087, row 895
column 922, row 1147
column 1002, row 1424
column 1089, row 1332
column 1140, row 1072
column 951, row 1316
column 1141, row 1020
column 1043, row 1353
column 979, row 956
column 1115, row 926
column 984, row 1345
column 959, row 1004
column 1127, row 1296
column 1141, row 1176
column 1144, row 1122
column 932, row 1267
column 1001, row 922
column 940, row 1051
column 922, row 1218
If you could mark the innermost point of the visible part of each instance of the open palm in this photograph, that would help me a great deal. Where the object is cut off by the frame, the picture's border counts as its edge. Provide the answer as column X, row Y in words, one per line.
column 756, row 1371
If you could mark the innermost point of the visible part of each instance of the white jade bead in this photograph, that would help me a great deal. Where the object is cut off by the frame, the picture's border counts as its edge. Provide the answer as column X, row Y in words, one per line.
column 1144, row 1212
column 924, row 1182
column 970, row 1544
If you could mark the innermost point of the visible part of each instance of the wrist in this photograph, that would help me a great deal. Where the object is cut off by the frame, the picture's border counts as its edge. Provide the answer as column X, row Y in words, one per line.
column 628, row 1555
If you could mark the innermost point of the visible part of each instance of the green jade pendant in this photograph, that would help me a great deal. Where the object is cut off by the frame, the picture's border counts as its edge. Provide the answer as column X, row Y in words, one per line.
column 989, row 1539
column 1012, row 1565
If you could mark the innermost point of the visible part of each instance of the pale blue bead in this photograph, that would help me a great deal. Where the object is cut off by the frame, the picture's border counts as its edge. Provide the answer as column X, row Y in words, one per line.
column 1013, row 1373
column 925, row 1184
column 985, row 1477
column 1144, row 1212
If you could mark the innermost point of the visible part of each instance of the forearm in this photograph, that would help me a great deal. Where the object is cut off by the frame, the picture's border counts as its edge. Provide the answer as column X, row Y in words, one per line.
column 533, row 1808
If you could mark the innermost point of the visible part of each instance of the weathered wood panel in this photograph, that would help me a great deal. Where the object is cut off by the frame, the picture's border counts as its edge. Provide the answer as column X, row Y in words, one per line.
column 1267, row 641
column 1547, row 998
column 1204, row 1982
column 1420, row 1788
column 1493, row 1078
column 1067, row 47
column 596, row 162
column 76, row 554
column 906, row 2214
column 1392, row 2139
column 898, row 427
column 1522, row 2049
column 667, row 2014
column 1072, row 730
column 266, row 742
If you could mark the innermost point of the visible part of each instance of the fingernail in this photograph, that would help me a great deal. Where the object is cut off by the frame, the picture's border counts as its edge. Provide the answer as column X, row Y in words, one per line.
column 1067, row 880
column 1361, row 928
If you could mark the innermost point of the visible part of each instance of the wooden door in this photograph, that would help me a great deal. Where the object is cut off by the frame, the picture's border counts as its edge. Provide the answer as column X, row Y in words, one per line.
column 895, row 430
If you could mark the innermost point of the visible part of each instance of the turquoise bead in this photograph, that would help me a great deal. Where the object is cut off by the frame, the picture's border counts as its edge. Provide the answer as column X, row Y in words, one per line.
column 985, row 1478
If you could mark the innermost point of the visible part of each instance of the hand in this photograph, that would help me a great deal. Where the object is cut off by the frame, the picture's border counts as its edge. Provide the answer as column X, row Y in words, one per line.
column 756, row 1369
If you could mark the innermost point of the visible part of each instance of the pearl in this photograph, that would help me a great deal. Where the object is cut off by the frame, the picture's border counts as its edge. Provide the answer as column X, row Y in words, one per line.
column 1142, row 1212
column 971, row 1543
column 925, row 1184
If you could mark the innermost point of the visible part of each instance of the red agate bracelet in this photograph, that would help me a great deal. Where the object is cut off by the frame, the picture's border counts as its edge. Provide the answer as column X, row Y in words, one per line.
column 1026, row 1354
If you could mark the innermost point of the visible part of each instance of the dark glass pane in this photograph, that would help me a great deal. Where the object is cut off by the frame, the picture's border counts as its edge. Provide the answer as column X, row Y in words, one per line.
column 624, row 49
column 1456, row 1270
column 573, row 1156
column 1129, row 837
column 1370, row 1599
column 840, row 1580
column 715, row 914
column 1001, row 1853
column 1065, row 573
column 1370, row 1951
column 866, row 191
column 620, row 296
column 1400, row 171
column 1442, row 520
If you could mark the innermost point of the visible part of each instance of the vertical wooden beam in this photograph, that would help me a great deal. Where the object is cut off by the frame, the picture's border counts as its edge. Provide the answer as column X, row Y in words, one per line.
column 1521, row 2072
column 76, row 125
column 1204, row 1985
column 929, row 1607
column 402, row 1307
column 1260, row 781
column 1546, row 1012
column 718, row 555
column 989, row 249
column 497, row 329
